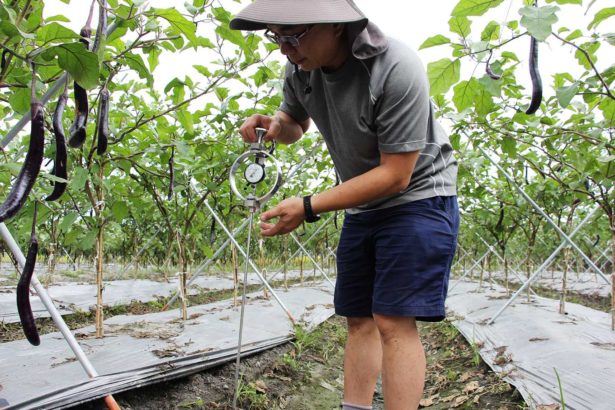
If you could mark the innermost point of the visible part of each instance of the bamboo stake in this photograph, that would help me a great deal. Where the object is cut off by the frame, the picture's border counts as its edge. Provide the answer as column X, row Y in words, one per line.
column 99, row 284
column 562, row 294
column 182, row 276
column 100, row 194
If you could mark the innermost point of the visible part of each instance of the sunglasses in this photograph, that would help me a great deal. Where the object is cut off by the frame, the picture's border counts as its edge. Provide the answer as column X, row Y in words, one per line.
column 292, row 40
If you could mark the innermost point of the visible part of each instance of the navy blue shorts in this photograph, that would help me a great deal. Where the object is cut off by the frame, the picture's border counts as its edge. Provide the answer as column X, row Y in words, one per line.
column 396, row 261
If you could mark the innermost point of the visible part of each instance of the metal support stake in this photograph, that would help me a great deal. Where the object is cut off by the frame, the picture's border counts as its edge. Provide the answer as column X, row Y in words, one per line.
column 208, row 262
column 476, row 263
column 322, row 225
column 496, row 253
column 542, row 267
column 240, row 249
column 55, row 315
column 544, row 215
column 312, row 259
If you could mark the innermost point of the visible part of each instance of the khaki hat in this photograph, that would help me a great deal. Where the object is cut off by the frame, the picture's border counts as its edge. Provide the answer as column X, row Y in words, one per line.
column 260, row 13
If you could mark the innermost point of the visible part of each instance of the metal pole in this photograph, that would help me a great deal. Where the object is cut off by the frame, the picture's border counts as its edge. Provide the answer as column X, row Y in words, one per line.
column 544, row 215
column 208, row 262
column 44, row 296
column 543, row 266
column 306, row 241
column 312, row 259
column 496, row 253
column 469, row 270
column 263, row 280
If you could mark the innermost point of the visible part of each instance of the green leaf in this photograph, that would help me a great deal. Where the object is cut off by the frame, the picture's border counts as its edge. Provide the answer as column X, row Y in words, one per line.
column 8, row 26
column 493, row 87
column 202, row 70
column 460, row 25
column 491, row 31
column 474, row 7
column 591, row 49
column 234, row 36
column 579, row 2
column 153, row 54
column 55, row 33
column 178, row 22
column 174, row 83
column 566, row 94
column 80, row 176
column 221, row 93
column 68, row 221
column 58, row 17
column 120, row 210
column 509, row 146
column 484, row 101
column 435, row 41
column 185, row 119
column 262, row 75
column 135, row 61
column 464, row 94
column 88, row 241
column 601, row 16
column 82, row 64
column 443, row 74
column 574, row 35
column 20, row 100
column 607, row 106
column 539, row 20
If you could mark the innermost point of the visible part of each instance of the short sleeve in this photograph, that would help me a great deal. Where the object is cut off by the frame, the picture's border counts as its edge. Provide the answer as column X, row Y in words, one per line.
column 291, row 104
column 403, row 110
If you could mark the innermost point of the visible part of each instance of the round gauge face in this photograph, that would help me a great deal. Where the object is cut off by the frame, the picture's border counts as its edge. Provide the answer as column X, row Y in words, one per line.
column 254, row 173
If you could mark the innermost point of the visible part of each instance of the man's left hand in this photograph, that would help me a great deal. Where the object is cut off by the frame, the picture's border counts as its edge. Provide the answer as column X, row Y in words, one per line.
column 290, row 215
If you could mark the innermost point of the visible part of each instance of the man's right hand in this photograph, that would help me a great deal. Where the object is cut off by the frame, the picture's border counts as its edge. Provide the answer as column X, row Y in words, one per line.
column 281, row 127
column 271, row 124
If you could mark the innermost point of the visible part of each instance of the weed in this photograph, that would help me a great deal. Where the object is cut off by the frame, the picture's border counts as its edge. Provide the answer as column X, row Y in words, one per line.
column 452, row 375
column 304, row 339
column 250, row 397
column 448, row 330
column 197, row 403
column 476, row 359
column 561, row 389
column 290, row 359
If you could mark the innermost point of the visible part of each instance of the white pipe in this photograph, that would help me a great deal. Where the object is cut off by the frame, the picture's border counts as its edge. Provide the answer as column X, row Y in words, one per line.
column 44, row 296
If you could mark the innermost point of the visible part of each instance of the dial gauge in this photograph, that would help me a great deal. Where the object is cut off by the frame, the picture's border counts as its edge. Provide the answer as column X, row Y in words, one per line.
column 254, row 173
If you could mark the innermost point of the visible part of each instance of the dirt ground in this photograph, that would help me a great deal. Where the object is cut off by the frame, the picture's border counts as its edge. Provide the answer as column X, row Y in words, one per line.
column 307, row 375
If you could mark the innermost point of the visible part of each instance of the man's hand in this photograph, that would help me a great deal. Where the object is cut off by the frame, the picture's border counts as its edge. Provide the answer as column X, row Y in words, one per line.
column 271, row 124
column 290, row 215
column 281, row 127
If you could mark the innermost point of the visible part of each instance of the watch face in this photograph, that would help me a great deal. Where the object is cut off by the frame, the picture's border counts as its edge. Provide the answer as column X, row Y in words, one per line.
column 254, row 173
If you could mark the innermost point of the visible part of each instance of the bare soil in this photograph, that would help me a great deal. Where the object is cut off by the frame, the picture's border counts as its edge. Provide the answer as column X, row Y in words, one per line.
column 307, row 375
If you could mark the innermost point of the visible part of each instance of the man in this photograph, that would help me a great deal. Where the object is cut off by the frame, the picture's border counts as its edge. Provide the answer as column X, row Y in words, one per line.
column 368, row 95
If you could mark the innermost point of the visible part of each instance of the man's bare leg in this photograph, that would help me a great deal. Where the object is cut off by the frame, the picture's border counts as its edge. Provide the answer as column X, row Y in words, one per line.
column 362, row 361
column 403, row 362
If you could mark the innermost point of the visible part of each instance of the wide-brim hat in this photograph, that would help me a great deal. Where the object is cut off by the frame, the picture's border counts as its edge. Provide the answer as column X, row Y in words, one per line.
column 260, row 13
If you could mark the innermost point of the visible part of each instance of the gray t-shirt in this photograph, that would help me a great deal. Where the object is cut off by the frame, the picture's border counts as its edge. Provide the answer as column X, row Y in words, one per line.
column 374, row 105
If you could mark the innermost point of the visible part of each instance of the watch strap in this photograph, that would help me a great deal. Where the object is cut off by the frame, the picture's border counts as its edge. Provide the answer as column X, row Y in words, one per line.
column 307, row 209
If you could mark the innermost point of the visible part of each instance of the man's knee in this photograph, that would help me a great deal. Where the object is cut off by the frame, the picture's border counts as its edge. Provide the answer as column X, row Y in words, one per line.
column 360, row 325
column 392, row 327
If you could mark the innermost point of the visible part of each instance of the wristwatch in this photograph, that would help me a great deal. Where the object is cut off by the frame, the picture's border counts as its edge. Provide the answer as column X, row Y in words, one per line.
column 307, row 208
